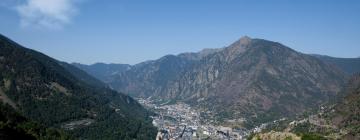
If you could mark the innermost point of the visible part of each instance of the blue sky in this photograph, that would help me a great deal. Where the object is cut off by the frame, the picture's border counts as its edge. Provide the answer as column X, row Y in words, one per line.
column 132, row 31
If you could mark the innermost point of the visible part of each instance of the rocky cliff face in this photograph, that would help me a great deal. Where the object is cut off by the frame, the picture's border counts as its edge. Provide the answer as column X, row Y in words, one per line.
column 251, row 77
column 254, row 76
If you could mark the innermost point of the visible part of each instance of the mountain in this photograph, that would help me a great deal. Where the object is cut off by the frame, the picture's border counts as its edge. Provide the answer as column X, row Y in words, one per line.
column 255, row 79
column 332, row 121
column 103, row 71
column 83, row 76
column 58, row 95
column 153, row 75
column 348, row 65
column 346, row 113
column 14, row 126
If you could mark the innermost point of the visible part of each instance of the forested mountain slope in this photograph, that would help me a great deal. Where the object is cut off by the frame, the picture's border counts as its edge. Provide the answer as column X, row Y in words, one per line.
column 44, row 91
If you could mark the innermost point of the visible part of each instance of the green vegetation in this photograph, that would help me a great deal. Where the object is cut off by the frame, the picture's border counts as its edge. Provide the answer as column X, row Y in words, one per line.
column 288, row 138
column 15, row 126
column 27, row 77
column 311, row 136
column 251, row 136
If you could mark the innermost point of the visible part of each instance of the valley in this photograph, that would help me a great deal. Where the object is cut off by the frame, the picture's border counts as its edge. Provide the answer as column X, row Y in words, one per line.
column 245, row 84
column 245, row 90
column 179, row 70
column 182, row 122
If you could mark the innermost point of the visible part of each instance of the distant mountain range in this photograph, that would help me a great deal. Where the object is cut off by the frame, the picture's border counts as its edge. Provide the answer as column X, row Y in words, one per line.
column 252, row 78
column 103, row 71
column 55, row 100
column 348, row 65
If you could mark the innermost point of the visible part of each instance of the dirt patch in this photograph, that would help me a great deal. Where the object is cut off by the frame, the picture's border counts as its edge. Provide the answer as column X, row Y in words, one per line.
column 77, row 124
column 4, row 98
column 277, row 136
column 59, row 88
column 7, row 84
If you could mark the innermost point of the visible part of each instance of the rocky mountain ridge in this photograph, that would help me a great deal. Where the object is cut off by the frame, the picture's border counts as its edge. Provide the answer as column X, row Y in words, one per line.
column 252, row 78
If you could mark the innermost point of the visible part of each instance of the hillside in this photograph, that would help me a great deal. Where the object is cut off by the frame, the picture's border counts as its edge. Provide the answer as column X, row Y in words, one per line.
column 331, row 121
column 43, row 90
column 102, row 71
column 348, row 65
column 255, row 79
column 346, row 114
column 13, row 126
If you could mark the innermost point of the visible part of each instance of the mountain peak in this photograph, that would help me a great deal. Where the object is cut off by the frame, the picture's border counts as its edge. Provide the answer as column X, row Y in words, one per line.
column 238, row 47
column 245, row 40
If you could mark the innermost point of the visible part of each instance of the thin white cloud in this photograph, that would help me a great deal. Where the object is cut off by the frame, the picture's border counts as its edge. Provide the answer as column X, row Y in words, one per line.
column 51, row 14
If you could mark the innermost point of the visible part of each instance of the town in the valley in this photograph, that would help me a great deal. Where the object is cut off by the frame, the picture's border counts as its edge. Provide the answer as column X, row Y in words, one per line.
column 179, row 121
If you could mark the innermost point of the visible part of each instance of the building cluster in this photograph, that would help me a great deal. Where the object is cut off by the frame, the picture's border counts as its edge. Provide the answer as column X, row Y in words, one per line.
column 181, row 122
